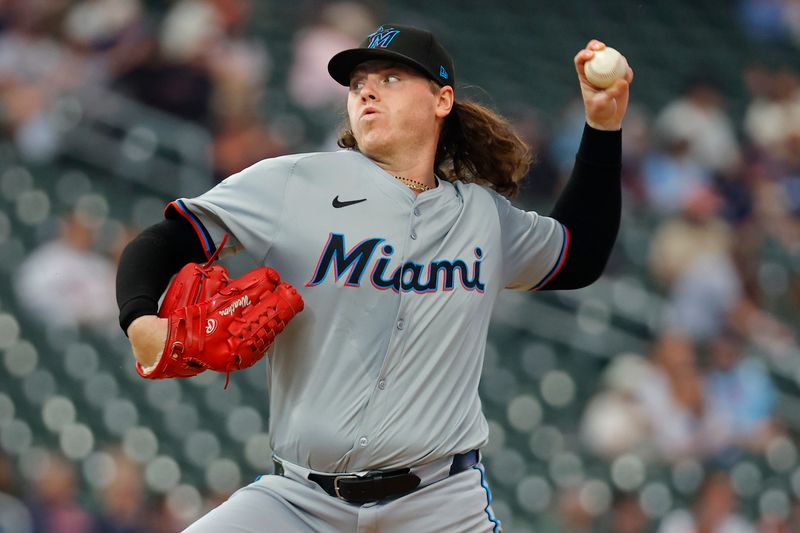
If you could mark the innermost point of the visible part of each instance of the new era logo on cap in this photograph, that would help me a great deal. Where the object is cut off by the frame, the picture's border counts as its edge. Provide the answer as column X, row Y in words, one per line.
column 404, row 44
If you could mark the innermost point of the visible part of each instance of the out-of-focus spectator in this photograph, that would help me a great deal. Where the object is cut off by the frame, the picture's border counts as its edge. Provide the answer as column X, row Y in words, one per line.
column 122, row 499
column 630, row 414
column 113, row 35
column 778, row 524
column 774, row 111
column 770, row 20
column 697, row 231
column 239, row 65
column 30, row 52
column 713, row 511
column 190, row 28
column 791, row 174
column 787, row 524
column 673, row 400
column 165, row 521
column 54, row 502
column 627, row 515
column 7, row 479
column 177, row 79
column 691, row 256
column 739, row 398
column 704, row 298
column 99, row 24
column 35, row 67
column 615, row 421
column 708, row 298
column 699, row 117
column 50, row 48
column 65, row 282
column 341, row 25
column 671, row 177
column 573, row 517
column 775, row 191
column 763, row 20
column 14, row 515
column 175, row 512
column 242, row 140
column 735, row 192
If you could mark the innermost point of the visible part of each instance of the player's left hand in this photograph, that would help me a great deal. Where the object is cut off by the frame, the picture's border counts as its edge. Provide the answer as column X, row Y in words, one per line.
column 605, row 108
column 215, row 323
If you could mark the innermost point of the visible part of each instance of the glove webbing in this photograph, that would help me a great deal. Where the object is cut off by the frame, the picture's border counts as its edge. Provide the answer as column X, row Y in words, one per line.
column 259, row 336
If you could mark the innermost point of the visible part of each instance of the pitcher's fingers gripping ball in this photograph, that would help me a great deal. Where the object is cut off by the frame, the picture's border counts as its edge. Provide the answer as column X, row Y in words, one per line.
column 220, row 324
column 605, row 67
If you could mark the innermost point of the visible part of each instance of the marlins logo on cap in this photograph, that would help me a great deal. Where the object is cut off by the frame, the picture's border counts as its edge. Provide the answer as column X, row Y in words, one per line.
column 382, row 38
column 411, row 46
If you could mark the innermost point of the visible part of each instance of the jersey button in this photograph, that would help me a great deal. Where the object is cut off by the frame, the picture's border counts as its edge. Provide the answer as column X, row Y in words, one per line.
column 382, row 384
column 400, row 324
column 414, row 235
column 363, row 441
column 416, row 211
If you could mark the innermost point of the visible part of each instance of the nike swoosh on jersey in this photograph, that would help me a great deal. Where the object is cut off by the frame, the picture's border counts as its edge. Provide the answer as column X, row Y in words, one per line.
column 337, row 204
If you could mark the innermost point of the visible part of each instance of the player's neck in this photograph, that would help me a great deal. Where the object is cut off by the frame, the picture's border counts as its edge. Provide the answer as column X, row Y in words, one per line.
column 415, row 168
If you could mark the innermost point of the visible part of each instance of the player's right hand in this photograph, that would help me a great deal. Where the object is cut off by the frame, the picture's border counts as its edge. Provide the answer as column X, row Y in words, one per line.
column 605, row 108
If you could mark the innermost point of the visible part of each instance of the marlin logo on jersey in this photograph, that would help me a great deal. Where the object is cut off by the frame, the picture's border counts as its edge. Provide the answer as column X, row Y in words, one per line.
column 244, row 301
column 408, row 277
column 382, row 38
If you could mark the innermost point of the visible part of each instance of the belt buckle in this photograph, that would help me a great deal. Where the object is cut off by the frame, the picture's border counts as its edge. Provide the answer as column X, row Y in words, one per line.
column 336, row 484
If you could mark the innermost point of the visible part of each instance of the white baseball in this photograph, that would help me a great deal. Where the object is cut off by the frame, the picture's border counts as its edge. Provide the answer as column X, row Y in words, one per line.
column 606, row 67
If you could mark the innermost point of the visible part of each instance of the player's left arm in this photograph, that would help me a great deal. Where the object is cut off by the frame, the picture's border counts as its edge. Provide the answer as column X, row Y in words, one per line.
column 590, row 205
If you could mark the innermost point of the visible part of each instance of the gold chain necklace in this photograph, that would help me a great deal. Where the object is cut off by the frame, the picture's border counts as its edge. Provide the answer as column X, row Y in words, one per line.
column 414, row 185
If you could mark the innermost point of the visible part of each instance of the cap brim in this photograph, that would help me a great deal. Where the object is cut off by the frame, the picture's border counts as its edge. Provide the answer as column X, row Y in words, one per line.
column 344, row 63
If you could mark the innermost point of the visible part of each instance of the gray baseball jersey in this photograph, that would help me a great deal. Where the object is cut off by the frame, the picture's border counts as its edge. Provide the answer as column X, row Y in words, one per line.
column 381, row 369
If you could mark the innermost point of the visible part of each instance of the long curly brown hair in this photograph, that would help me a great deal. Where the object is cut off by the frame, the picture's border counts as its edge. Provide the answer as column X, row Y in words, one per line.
column 476, row 146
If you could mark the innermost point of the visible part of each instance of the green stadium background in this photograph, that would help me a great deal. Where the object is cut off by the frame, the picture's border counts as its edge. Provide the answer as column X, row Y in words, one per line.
column 70, row 392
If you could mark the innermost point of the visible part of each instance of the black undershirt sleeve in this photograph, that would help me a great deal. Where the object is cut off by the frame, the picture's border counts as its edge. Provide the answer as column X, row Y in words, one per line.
column 590, row 207
column 149, row 262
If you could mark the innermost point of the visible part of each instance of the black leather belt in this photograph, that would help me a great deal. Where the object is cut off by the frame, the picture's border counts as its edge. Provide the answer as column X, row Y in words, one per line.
column 379, row 485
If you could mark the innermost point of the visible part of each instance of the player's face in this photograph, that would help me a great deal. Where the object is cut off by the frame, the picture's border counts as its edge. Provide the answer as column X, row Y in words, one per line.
column 393, row 107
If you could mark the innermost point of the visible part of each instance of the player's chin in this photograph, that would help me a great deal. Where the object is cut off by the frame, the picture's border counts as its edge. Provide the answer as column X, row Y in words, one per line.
column 372, row 143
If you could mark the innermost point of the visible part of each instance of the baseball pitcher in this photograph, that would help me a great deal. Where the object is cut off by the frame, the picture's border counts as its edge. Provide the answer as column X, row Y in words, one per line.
column 381, row 265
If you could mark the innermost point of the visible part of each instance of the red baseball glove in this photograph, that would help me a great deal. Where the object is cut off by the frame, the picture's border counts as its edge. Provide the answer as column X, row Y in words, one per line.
column 216, row 323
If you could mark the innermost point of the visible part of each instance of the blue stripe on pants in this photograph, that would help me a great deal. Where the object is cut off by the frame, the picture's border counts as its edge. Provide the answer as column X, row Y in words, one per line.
column 487, row 510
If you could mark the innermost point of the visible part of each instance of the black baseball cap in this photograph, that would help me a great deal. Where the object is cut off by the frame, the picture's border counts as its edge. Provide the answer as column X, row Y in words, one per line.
column 404, row 44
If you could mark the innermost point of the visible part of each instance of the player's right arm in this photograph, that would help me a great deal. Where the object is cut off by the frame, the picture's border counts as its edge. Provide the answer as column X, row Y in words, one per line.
column 588, row 209
column 146, row 266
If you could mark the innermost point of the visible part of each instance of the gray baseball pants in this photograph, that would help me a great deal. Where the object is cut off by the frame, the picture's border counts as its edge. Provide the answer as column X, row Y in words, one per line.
column 292, row 503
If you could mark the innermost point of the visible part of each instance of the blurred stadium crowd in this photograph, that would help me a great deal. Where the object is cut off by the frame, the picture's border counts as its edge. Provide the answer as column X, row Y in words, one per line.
column 711, row 234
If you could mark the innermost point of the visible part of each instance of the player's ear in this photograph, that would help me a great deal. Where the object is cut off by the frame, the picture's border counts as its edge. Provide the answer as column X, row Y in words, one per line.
column 445, row 100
